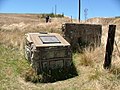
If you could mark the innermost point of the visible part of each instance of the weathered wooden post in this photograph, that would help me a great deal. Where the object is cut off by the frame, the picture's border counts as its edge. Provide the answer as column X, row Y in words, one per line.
column 79, row 10
column 109, row 46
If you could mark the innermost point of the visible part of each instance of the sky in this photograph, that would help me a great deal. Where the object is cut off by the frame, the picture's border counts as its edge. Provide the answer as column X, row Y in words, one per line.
column 93, row 8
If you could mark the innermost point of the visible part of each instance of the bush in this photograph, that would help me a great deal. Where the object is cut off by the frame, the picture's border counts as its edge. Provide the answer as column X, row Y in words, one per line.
column 52, row 15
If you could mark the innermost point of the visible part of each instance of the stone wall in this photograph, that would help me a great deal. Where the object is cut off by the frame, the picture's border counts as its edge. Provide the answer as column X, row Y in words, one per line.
column 82, row 35
column 49, row 58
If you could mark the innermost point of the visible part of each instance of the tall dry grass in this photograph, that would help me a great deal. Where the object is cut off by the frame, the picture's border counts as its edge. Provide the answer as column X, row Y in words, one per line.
column 13, row 35
column 89, row 64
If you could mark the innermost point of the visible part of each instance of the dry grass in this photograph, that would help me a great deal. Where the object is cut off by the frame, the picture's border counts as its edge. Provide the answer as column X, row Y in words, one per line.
column 89, row 64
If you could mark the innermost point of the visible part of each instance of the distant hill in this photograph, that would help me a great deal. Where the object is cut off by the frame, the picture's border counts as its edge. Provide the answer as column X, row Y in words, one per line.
column 7, row 18
column 104, row 21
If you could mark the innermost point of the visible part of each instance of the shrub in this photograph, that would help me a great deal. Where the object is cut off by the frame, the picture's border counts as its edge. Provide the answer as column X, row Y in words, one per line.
column 52, row 15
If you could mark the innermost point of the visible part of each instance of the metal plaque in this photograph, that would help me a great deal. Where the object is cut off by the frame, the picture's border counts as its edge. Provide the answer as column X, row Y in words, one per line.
column 49, row 39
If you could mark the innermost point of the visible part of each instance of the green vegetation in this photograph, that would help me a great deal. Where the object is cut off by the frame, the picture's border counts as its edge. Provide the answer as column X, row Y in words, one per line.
column 12, row 58
column 12, row 66
column 53, row 15
column 117, row 17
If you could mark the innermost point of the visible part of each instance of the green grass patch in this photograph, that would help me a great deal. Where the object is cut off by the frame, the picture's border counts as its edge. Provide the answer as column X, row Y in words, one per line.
column 12, row 65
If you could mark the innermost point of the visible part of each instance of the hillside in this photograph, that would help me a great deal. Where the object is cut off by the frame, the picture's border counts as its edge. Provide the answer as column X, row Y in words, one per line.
column 89, row 65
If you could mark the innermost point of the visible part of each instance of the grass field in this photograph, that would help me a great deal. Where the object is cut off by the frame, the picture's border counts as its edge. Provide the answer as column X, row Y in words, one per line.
column 89, row 64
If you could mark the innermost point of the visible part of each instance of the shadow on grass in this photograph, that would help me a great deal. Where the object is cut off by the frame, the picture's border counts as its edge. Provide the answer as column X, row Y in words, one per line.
column 51, row 76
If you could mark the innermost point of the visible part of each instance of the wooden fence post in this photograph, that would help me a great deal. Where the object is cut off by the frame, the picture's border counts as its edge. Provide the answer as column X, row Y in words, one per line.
column 109, row 46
